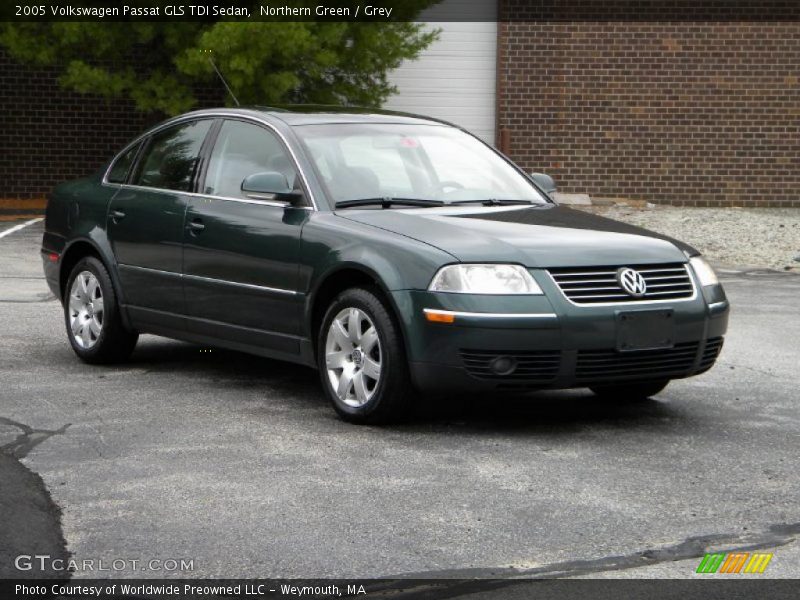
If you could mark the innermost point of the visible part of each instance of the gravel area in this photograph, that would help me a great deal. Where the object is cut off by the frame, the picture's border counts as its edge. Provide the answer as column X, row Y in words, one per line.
column 728, row 237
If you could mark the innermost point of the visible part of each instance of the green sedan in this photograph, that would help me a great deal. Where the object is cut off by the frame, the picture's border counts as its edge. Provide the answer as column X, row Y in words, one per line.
column 398, row 255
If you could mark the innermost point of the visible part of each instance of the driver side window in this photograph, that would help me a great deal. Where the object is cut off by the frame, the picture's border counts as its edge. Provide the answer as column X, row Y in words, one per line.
column 244, row 149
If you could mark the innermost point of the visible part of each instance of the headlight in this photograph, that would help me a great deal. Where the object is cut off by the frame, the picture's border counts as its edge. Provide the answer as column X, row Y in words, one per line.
column 705, row 274
column 484, row 279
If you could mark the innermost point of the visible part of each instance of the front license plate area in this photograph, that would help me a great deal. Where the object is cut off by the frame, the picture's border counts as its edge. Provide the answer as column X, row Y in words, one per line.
column 645, row 330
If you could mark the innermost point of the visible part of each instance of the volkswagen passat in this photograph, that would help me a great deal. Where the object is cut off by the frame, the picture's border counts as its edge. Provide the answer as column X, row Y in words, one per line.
column 397, row 255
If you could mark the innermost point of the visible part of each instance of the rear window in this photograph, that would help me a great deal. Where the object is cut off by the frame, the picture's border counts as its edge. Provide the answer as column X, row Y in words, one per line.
column 170, row 159
column 122, row 166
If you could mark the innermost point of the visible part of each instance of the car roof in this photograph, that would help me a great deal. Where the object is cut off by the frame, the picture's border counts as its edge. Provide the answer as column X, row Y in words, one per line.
column 314, row 114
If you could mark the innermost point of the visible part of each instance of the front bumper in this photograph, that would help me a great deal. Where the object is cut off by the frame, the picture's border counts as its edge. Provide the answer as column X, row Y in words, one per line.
column 552, row 343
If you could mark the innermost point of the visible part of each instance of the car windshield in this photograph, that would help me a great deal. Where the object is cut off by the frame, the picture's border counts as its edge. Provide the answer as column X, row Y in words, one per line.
column 359, row 161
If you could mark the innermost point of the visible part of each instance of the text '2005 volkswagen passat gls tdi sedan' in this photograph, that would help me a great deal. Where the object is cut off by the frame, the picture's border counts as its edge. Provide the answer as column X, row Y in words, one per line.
column 396, row 254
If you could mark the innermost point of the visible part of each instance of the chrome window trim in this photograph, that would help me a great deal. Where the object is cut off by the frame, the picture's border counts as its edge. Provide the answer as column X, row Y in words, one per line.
column 251, row 286
column 629, row 302
column 216, row 115
column 481, row 315
column 273, row 203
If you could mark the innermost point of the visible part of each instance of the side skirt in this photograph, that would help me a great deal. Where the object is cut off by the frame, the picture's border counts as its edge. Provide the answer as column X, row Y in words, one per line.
column 268, row 344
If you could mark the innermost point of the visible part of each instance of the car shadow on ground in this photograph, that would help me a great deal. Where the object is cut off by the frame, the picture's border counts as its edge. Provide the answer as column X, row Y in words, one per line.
column 543, row 412
column 227, row 368
column 540, row 411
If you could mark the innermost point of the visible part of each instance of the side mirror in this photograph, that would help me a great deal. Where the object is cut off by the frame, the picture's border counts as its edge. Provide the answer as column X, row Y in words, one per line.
column 270, row 185
column 544, row 181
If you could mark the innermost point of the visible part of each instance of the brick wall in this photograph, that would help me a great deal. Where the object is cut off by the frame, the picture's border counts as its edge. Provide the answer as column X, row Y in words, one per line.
column 687, row 113
column 48, row 135
column 695, row 113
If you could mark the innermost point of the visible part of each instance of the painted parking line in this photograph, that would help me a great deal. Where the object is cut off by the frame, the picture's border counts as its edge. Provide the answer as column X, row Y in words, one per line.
column 11, row 230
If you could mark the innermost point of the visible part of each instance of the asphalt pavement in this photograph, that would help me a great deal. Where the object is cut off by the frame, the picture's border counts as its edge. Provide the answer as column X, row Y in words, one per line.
column 237, row 463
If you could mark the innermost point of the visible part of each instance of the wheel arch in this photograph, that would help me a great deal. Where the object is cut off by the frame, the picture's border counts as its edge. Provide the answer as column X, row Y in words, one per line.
column 74, row 252
column 339, row 279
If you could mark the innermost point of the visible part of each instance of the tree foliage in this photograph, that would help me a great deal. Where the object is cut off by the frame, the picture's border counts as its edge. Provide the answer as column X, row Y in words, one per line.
column 159, row 65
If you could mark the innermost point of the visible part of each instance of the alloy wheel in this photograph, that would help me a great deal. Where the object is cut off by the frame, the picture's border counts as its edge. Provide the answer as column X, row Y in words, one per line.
column 353, row 357
column 86, row 310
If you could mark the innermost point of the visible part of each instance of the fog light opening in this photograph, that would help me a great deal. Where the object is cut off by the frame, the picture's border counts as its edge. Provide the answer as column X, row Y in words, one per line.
column 503, row 365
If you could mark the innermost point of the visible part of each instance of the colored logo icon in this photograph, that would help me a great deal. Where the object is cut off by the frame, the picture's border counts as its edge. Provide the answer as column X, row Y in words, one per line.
column 734, row 562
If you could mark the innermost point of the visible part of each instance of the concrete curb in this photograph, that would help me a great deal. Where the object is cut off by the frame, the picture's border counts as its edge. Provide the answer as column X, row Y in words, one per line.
column 572, row 199
column 583, row 200
column 23, row 207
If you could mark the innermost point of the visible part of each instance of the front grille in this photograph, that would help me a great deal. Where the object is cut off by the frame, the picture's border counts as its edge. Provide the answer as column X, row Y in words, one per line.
column 710, row 354
column 599, row 365
column 595, row 285
column 539, row 366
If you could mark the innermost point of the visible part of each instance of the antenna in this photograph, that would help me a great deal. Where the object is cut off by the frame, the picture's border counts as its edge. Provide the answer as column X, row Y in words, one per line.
column 225, row 83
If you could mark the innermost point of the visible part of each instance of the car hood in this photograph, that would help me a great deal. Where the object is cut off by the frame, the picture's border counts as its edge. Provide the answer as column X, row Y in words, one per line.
column 535, row 236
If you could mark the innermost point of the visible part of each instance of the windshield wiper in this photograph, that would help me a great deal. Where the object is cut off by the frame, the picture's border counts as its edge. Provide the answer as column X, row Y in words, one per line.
column 496, row 202
column 388, row 202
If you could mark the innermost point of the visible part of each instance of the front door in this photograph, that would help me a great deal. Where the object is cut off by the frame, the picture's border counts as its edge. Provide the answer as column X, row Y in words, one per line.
column 145, row 222
column 240, row 254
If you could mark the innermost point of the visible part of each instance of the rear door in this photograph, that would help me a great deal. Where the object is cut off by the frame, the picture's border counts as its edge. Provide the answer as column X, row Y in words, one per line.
column 145, row 222
column 240, row 253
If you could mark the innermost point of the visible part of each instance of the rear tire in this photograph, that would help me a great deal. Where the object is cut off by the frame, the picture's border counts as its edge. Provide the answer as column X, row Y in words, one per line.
column 362, row 361
column 629, row 392
column 92, row 315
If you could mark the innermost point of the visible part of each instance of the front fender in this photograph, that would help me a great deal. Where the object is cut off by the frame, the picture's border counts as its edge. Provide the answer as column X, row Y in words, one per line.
column 332, row 245
column 398, row 262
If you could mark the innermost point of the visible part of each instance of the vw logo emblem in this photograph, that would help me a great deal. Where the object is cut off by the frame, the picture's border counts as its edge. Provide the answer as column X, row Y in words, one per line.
column 632, row 282
column 358, row 357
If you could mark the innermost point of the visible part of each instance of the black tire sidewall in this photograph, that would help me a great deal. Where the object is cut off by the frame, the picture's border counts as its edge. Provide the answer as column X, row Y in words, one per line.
column 393, row 368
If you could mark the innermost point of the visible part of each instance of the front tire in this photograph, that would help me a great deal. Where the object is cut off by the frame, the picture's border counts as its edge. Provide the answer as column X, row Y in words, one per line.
column 361, row 359
column 92, row 315
column 631, row 392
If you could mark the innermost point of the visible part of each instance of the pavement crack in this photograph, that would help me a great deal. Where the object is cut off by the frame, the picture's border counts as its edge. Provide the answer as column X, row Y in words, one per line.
column 31, row 519
column 692, row 547
column 28, row 438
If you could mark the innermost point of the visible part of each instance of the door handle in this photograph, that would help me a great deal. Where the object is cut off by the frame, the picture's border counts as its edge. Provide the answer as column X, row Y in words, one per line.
column 196, row 226
column 117, row 216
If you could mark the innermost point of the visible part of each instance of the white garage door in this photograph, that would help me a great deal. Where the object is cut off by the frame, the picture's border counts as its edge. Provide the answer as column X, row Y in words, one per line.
column 455, row 77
